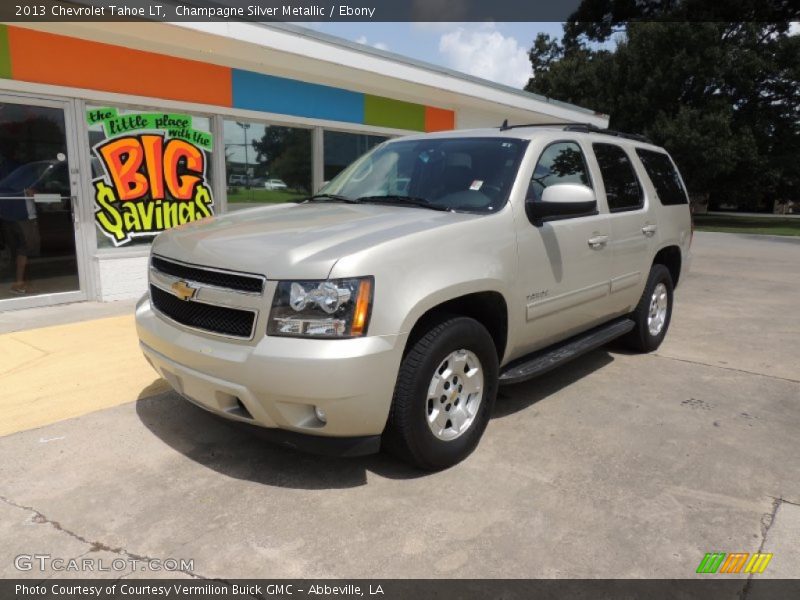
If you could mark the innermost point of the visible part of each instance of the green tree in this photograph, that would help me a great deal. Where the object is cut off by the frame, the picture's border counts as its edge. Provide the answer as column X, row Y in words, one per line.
column 287, row 153
column 722, row 97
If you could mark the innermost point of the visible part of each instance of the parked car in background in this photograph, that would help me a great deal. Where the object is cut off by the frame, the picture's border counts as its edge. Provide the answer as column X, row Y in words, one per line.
column 274, row 184
column 385, row 310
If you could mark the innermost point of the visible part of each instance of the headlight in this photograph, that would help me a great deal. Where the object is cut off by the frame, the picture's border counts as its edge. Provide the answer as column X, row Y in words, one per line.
column 334, row 308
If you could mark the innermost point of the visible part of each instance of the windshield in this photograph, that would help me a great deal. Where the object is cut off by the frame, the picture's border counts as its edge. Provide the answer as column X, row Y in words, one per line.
column 462, row 174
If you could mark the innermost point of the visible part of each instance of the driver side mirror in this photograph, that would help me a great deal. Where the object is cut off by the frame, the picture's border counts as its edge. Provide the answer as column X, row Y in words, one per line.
column 561, row 201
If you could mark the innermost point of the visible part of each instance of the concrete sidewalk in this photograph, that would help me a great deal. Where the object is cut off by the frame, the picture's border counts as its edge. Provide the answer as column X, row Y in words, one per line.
column 61, row 314
column 63, row 371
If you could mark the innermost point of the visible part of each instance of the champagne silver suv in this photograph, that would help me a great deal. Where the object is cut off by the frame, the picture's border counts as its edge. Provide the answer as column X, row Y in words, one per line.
column 385, row 310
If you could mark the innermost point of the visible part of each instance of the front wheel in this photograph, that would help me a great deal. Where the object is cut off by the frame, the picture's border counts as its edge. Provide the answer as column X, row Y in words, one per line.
column 444, row 395
column 653, row 313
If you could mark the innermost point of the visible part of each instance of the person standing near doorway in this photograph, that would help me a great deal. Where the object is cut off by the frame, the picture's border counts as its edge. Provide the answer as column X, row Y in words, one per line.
column 21, row 234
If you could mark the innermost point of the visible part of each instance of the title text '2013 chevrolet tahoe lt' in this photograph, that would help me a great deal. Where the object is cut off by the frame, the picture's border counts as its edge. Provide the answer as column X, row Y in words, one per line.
column 385, row 310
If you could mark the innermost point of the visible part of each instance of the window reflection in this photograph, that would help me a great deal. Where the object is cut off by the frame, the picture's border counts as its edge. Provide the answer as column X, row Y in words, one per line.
column 266, row 164
column 561, row 162
column 341, row 149
column 623, row 191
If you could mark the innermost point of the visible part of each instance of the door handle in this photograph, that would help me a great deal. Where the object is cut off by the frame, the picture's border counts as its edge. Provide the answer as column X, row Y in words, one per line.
column 597, row 242
column 649, row 230
column 76, row 219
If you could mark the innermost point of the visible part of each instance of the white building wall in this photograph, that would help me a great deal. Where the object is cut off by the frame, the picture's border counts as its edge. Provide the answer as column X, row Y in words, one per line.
column 121, row 278
column 467, row 118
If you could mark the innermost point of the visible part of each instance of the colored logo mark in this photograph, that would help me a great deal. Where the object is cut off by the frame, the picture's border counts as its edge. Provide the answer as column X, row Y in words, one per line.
column 735, row 562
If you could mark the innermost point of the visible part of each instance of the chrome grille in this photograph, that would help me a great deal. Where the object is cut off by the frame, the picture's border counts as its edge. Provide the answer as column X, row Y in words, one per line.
column 221, row 320
column 240, row 282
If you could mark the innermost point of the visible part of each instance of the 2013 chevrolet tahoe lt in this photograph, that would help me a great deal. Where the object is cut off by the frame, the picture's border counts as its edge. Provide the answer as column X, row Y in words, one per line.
column 384, row 311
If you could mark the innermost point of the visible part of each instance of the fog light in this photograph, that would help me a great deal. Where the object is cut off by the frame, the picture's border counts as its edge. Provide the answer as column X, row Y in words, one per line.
column 320, row 414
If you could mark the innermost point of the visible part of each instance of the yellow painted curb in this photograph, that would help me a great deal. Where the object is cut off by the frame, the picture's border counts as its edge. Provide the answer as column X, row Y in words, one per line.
column 60, row 372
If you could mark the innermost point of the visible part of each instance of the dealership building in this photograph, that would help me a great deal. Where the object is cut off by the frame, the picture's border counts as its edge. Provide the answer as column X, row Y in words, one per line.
column 112, row 132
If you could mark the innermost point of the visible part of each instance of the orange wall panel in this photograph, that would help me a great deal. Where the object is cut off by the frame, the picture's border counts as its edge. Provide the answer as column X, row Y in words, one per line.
column 59, row 60
column 439, row 119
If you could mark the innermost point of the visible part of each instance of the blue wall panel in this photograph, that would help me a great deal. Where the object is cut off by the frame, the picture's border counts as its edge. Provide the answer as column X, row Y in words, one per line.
column 255, row 91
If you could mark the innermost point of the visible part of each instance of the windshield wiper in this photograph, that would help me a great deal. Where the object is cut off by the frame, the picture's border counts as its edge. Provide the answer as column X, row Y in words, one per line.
column 398, row 200
column 329, row 198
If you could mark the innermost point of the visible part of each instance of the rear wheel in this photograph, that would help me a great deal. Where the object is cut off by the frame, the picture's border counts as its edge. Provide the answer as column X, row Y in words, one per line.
column 444, row 394
column 653, row 313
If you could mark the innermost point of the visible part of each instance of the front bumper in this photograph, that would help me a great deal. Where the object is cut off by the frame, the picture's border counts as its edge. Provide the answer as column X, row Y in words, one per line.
column 276, row 382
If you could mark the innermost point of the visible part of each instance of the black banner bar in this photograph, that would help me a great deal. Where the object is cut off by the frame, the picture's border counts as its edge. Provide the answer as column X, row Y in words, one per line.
column 713, row 587
column 395, row 10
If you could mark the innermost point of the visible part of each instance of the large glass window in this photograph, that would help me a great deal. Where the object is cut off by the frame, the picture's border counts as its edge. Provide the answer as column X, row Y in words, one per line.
column 151, row 170
column 341, row 149
column 265, row 164
column 664, row 177
column 623, row 191
column 469, row 174
column 561, row 162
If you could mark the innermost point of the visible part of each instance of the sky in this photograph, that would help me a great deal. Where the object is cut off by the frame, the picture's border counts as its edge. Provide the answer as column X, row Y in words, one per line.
column 494, row 51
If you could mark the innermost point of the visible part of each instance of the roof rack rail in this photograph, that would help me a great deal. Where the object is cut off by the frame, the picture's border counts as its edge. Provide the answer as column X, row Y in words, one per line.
column 581, row 127
column 505, row 126
column 589, row 128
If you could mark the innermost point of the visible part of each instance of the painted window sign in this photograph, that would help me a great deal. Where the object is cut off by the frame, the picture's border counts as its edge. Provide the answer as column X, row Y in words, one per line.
column 153, row 173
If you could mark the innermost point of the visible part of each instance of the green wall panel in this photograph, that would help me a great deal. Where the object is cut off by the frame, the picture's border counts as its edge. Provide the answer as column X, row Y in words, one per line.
column 5, row 54
column 385, row 112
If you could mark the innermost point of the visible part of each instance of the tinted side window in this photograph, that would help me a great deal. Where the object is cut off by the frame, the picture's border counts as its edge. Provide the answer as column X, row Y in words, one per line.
column 623, row 191
column 561, row 162
column 664, row 177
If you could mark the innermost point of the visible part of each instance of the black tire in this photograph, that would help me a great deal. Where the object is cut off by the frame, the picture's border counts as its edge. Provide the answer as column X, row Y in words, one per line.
column 640, row 339
column 408, row 435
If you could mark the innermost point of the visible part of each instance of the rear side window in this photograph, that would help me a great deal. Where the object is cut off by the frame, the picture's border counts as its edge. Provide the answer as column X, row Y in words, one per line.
column 561, row 162
column 664, row 177
column 623, row 191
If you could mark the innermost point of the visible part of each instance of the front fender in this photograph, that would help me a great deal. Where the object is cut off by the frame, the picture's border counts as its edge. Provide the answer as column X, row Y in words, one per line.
column 442, row 296
column 416, row 273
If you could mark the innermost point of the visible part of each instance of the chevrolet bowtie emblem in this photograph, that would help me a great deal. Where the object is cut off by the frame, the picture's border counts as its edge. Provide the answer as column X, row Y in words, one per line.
column 183, row 290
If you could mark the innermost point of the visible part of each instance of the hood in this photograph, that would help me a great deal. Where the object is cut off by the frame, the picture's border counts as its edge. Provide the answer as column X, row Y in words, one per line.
column 295, row 241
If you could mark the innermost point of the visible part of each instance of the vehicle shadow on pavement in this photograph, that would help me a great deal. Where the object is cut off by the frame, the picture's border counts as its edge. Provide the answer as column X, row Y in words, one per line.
column 236, row 450
column 514, row 398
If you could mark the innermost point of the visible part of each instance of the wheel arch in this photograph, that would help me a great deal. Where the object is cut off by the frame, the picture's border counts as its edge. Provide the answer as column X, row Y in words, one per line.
column 670, row 257
column 488, row 307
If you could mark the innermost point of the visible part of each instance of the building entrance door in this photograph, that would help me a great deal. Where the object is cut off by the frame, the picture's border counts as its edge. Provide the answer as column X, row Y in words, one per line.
column 39, row 249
